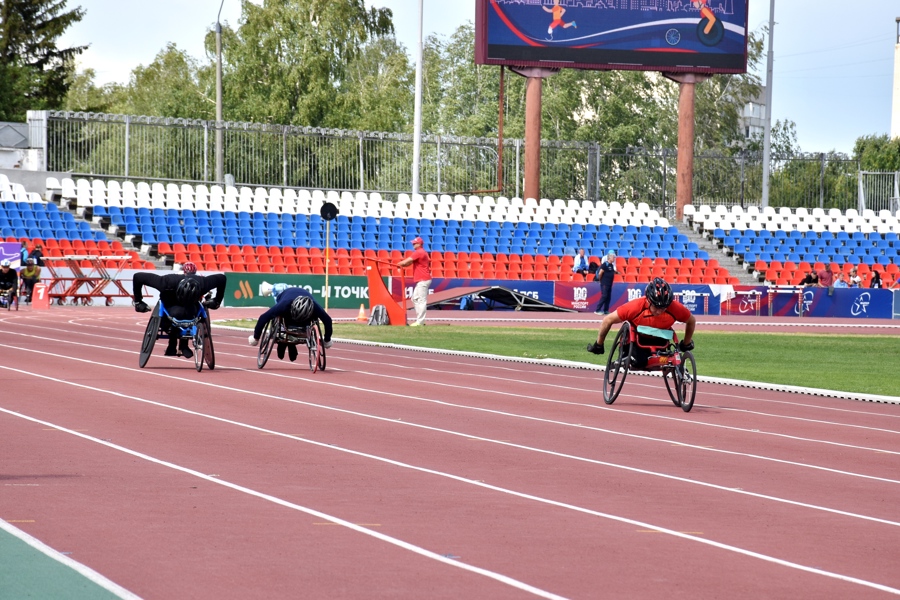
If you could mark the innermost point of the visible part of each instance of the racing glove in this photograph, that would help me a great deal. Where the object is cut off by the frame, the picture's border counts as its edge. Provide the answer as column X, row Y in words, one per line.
column 595, row 348
column 252, row 340
column 685, row 347
column 141, row 307
column 211, row 304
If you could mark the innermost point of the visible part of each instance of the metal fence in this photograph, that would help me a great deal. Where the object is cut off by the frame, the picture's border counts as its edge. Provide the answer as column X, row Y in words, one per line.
column 152, row 148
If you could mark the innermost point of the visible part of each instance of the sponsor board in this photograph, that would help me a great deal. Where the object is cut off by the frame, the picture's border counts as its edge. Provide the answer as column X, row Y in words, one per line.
column 342, row 291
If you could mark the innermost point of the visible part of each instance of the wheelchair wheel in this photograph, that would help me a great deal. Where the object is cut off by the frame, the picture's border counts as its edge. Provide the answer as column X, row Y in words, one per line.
column 266, row 343
column 200, row 336
column 670, row 376
column 314, row 342
column 617, row 365
column 150, row 335
column 687, row 388
column 209, row 352
column 321, row 344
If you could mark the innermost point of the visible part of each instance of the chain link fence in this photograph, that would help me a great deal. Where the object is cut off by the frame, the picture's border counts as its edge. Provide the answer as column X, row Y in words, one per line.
column 160, row 149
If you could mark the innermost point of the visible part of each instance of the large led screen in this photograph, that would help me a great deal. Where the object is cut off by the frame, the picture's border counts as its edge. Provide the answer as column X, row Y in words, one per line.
column 704, row 36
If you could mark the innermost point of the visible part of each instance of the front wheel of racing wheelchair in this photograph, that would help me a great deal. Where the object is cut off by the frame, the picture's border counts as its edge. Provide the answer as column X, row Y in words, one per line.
column 617, row 364
column 681, row 382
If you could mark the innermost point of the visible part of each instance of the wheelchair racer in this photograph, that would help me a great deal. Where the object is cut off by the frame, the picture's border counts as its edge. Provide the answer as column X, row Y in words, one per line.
column 9, row 280
column 298, row 309
column 657, row 308
column 179, row 294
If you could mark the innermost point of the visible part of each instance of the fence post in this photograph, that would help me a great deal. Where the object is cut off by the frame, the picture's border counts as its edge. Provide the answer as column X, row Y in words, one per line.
column 37, row 133
column 438, row 162
column 518, row 179
column 822, row 181
column 127, row 144
column 284, row 159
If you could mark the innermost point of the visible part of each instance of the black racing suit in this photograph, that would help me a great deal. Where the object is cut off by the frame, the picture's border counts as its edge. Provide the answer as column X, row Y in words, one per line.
column 282, row 308
column 9, row 280
column 167, row 284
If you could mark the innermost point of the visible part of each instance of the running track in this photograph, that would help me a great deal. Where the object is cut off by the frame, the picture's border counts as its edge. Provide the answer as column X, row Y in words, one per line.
column 400, row 474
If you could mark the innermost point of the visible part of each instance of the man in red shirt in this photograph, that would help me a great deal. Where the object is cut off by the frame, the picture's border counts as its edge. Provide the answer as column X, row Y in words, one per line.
column 658, row 309
column 826, row 276
column 421, row 264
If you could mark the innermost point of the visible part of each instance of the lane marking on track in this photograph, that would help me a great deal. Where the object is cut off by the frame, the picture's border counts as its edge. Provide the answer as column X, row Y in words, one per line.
column 466, row 436
column 443, row 558
column 304, row 509
column 60, row 557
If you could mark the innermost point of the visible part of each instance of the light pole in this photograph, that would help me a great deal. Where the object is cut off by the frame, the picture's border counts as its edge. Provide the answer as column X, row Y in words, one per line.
column 220, row 168
column 417, row 110
column 767, row 134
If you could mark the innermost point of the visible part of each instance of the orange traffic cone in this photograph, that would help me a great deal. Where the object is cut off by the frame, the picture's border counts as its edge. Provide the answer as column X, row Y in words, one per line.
column 362, row 314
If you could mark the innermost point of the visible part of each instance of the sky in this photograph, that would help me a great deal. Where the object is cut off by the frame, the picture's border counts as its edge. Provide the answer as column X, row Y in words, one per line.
column 833, row 60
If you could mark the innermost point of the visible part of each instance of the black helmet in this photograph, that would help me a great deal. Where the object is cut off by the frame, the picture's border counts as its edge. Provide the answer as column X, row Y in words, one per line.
column 301, row 309
column 658, row 293
column 188, row 291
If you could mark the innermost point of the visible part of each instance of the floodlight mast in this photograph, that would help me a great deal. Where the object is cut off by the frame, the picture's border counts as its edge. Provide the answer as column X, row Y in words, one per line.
column 220, row 168
column 417, row 110
column 767, row 133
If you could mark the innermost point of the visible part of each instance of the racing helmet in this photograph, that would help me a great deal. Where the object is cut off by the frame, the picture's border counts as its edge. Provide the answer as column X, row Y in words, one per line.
column 188, row 291
column 302, row 309
column 4, row 263
column 189, row 268
column 658, row 293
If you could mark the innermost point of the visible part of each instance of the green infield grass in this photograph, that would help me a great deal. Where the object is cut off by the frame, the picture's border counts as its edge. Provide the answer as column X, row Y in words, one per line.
column 850, row 363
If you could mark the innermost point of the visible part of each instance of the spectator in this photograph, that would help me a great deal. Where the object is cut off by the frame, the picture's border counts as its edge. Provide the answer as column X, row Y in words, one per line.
column 421, row 264
column 298, row 309
column 30, row 275
column 9, row 280
column 23, row 252
column 840, row 283
column 581, row 266
column 826, row 276
column 605, row 276
column 179, row 294
column 854, row 280
column 38, row 255
column 811, row 279
column 875, row 282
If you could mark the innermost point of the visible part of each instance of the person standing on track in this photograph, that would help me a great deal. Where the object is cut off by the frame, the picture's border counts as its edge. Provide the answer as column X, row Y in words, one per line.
column 298, row 309
column 421, row 264
column 659, row 309
column 180, row 294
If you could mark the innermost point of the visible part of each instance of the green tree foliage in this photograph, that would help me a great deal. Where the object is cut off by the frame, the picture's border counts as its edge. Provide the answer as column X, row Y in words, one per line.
column 877, row 153
column 84, row 96
column 34, row 72
column 167, row 87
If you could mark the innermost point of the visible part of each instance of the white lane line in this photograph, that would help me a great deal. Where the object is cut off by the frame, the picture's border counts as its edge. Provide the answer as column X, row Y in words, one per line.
column 304, row 509
column 481, row 484
column 460, row 434
column 85, row 571
column 319, row 381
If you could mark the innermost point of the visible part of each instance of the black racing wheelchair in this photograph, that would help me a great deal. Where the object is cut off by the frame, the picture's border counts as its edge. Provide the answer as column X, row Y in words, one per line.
column 162, row 325
column 679, row 369
column 8, row 298
column 277, row 331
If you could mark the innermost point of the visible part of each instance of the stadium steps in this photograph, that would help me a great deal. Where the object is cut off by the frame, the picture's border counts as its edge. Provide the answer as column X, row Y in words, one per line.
column 735, row 268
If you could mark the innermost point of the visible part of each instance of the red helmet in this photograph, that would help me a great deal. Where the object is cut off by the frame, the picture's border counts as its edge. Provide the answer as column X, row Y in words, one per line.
column 189, row 268
column 417, row 240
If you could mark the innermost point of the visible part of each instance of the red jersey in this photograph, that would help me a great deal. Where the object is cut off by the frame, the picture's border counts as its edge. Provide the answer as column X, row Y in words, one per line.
column 637, row 312
column 421, row 265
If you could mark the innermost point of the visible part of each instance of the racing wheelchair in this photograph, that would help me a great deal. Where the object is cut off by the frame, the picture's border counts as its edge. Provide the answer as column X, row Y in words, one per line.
column 679, row 369
column 8, row 298
column 196, row 329
column 277, row 331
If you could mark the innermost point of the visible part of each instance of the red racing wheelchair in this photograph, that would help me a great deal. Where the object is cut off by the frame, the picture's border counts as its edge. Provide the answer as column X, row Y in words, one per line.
column 679, row 369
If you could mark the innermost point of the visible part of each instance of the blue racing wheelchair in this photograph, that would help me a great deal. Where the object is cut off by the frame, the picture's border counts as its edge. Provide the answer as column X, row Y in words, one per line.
column 277, row 331
column 163, row 325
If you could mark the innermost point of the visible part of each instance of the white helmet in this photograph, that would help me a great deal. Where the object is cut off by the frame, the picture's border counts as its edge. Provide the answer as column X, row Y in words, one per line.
column 4, row 263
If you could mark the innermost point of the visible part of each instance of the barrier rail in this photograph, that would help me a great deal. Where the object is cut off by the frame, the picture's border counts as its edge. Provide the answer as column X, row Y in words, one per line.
column 85, row 285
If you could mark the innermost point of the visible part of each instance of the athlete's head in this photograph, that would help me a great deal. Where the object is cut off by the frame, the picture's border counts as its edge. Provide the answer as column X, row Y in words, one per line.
column 4, row 263
column 658, row 293
column 301, row 309
column 188, row 291
column 189, row 268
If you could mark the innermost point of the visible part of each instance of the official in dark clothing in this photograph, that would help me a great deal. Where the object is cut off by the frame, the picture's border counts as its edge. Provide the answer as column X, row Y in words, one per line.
column 298, row 308
column 180, row 294
column 605, row 274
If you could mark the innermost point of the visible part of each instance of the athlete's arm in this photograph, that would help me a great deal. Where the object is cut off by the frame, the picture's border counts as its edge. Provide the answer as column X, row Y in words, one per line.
column 609, row 320
column 144, row 278
column 689, row 326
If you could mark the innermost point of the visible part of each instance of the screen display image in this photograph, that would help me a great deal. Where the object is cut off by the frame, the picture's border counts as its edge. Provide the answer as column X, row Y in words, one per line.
column 700, row 36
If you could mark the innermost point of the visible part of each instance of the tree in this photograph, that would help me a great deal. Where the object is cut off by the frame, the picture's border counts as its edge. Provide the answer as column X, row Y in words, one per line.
column 877, row 153
column 34, row 72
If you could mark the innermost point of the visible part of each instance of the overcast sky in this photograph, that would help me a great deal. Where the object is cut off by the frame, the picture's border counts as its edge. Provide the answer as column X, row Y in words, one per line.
column 833, row 59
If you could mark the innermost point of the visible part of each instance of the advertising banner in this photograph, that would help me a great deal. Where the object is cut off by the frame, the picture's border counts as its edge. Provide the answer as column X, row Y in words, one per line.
column 540, row 290
column 897, row 304
column 747, row 301
column 700, row 36
column 343, row 291
column 10, row 251
column 857, row 303
column 585, row 296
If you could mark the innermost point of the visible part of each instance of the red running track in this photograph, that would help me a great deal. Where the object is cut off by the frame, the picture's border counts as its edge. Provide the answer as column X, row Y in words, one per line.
column 400, row 474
